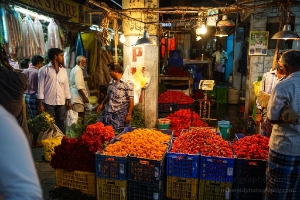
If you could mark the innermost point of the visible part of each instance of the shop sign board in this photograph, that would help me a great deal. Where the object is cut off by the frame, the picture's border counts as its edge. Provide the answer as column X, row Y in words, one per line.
column 76, row 12
column 213, row 17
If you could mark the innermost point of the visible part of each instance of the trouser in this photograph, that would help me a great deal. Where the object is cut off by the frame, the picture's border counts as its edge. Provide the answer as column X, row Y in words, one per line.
column 116, row 119
column 59, row 114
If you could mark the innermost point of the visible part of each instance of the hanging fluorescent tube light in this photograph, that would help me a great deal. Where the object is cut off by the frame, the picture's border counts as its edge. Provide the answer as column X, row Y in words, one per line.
column 145, row 40
column 33, row 14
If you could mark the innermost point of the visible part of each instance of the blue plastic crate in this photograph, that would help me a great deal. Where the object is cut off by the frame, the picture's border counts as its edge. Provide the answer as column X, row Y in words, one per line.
column 183, row 165
column 213, row 168
column 198, row 77
column 196, row 86
column 111, row 167
column 125, row 130
column 175, row 54
column 175, row 62
column 145, row 170
column 249, row 174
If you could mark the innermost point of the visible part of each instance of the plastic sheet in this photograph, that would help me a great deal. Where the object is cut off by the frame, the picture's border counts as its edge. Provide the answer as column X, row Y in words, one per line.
column 30, row 43
column 40, row 37
column 53, row 40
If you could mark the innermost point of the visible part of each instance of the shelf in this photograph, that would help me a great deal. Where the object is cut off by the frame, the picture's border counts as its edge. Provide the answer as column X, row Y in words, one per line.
column 181, row 80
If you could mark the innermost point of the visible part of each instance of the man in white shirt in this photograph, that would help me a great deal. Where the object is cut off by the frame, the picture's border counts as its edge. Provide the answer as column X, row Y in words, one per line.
column 220, row 63
column 79, row 94
column 53, row 88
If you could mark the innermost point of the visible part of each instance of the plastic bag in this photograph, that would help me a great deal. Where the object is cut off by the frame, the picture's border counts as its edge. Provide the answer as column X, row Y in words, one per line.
column 256, row 86
column 142, row 77
column 52, row 132
column 93, row 99
column 72, row 117
column 137, row 88
column 139, row 78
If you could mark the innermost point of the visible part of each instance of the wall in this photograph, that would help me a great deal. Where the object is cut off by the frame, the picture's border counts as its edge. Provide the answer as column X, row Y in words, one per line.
column 145, row 56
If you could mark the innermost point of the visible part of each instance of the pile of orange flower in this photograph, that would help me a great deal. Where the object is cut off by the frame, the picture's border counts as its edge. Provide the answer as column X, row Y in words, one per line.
column 143, row 143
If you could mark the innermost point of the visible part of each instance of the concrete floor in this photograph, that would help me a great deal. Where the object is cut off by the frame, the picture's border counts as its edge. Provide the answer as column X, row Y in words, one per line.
column 47, row 173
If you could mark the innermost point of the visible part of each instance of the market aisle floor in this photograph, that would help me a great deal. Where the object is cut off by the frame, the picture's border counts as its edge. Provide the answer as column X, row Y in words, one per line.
column 47, row 173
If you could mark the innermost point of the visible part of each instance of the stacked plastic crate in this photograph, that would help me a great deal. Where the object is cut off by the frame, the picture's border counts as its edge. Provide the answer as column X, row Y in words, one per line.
column 80, row 180
column 249, row 178
column 182, row 176
column 216, row 177
column 222, row 92
column 146, row 177
column 130, row 177
column 111, row 176
column 175, row 59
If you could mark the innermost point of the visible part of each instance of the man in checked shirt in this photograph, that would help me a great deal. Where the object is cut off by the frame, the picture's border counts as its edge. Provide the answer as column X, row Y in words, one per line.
column 283, row 171
column 118, row 103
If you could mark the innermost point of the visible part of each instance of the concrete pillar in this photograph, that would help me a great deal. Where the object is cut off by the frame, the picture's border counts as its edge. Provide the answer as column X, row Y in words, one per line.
column 143, row 55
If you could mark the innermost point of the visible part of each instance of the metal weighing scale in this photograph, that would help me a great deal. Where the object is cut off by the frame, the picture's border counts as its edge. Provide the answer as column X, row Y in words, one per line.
column 205, row 103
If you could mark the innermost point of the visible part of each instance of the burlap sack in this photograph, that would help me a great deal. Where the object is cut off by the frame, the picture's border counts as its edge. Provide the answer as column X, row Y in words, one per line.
column 263, row 99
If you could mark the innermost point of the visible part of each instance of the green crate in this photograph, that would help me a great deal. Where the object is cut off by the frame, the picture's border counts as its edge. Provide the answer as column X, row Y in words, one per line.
column 108, row 189
column 213, row 190
column 182, row 188
column 222, row 92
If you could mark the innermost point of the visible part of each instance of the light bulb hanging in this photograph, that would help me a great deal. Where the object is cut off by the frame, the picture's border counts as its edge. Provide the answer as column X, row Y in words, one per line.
column 225, row 22
column 221, row 33
column 145, row 40
column 122, row 38
column 203, row 29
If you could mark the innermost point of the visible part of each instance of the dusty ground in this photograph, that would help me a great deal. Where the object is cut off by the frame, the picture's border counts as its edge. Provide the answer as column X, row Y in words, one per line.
column 45, row 172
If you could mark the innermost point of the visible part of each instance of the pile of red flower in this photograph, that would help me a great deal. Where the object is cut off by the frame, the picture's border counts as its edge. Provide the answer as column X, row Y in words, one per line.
column 174, row 97
column 181, row 119
column 177, row 71
column 204, row 141
column 252, row 147
column 79, row 154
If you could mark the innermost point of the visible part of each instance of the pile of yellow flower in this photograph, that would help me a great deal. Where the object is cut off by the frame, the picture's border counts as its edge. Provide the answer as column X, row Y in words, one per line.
column 49, row 145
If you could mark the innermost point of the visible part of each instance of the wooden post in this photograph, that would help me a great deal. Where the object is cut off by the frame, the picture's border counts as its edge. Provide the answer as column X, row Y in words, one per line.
column 277, row 42
column 116, row 38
